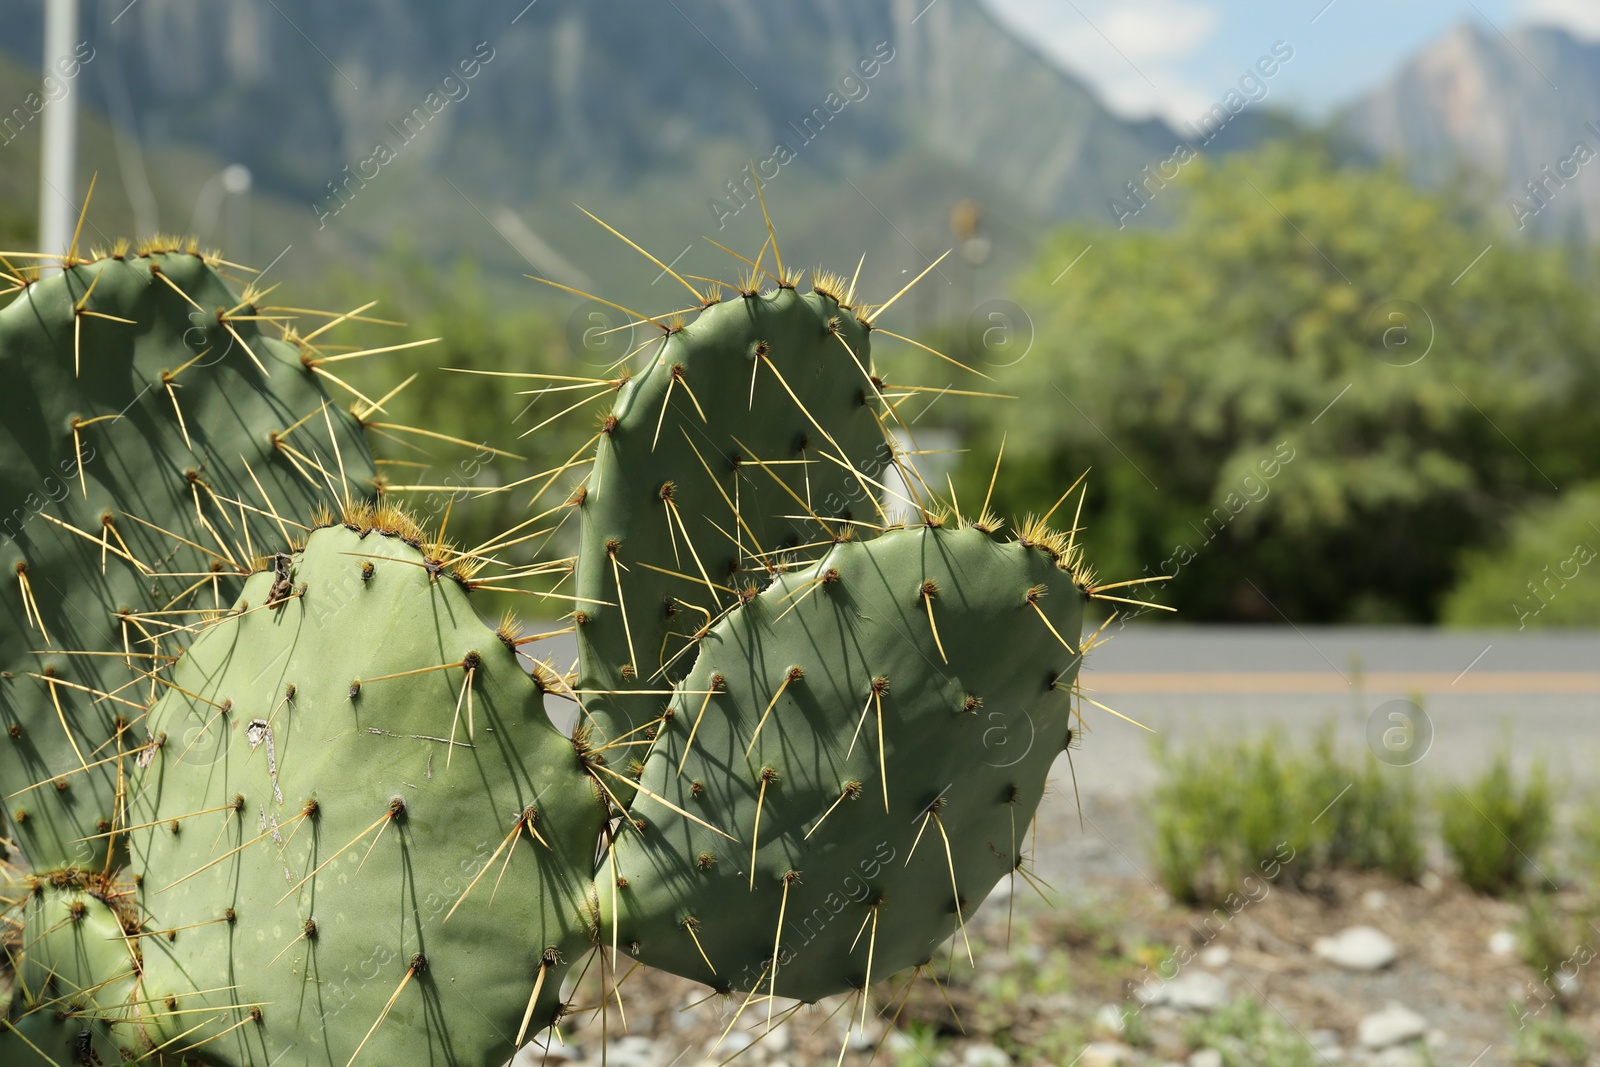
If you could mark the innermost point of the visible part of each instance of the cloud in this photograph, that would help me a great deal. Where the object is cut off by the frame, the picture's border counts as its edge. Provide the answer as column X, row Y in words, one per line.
column 1581, row 18
column 1131, row 52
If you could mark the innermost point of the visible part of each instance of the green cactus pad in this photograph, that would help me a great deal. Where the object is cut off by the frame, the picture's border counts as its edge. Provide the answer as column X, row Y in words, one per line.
column 75, row 987
column 315, row 825
column 107, row 356
column 757, row 390
column 795, row 681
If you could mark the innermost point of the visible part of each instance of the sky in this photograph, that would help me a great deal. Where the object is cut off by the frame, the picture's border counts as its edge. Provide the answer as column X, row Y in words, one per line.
column 1174, row 58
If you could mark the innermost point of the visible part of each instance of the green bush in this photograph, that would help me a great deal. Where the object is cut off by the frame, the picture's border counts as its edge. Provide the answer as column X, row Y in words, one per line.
column 1229, row 811
column 1494, row 830
column 1544, row 574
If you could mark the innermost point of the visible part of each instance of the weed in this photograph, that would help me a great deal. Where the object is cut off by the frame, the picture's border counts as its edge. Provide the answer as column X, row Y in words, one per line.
column 1547, row 1041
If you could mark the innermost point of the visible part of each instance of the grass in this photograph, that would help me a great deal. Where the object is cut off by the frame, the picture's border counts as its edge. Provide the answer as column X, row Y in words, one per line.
column 1247, row 1034
column 1546, row 1040
column 1494, row 828
column 1225, row 813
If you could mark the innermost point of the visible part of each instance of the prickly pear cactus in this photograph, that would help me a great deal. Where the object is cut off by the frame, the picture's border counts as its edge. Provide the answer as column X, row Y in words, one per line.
column 77, row 983
column 860, row 748
column 360, row 832
column 748, row 424
column 809, row 743
column 160, row 433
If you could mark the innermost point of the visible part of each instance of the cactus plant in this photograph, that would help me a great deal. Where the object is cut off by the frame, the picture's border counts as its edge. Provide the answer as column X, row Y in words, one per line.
column 351, row 820
column 162, row 429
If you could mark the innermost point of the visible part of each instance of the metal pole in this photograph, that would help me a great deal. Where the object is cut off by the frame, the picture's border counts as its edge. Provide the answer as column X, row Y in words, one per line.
column 59, row 135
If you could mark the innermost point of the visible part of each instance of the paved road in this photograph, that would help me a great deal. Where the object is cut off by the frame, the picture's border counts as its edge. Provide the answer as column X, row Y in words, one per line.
column 1479, row 691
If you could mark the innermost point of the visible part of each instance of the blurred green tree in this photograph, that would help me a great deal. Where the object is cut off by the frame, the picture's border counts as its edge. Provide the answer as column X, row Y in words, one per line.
column 1547, row 573
column 1305, row 399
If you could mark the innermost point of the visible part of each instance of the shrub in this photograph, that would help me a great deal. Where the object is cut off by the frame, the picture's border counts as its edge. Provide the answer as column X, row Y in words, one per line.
column 1225, row 812
column 1494, row 830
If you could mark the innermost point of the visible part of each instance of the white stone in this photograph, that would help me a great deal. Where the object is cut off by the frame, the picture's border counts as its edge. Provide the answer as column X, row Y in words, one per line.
column 1391, row 1026
column 1324, row 1038
column 1189, row 991
column 984, row 1055
column 1431, row 881
column 1197, row 991
column 1206, row 1057
column 1216, row 956
column 1104, row 1054
column 633, row 1051
column 865, row 1040
column 534, row 1053
column 779, row 1040
column 897, row 1043
column 1109, row 1020
column 1503, row 942
column 1398, row 1056
column 1375, row 900
column 735, row 1042
column 1359, row 948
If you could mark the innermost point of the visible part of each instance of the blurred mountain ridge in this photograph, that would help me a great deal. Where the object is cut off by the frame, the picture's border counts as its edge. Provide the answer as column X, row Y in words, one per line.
column 1515, row 114
column 661, row 108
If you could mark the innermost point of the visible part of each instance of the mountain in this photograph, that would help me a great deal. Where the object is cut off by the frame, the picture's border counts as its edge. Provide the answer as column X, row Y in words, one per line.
column 475, row 125
column 1518, row 113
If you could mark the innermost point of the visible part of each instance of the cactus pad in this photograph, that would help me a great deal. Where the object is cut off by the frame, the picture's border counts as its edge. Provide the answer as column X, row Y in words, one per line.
column 352, row 753
column 756, row 415
column 953, row 645
column 161, row 427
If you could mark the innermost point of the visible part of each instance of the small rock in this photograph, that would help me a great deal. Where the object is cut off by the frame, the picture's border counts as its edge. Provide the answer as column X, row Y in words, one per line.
column 1109, row 1020
column 1206, row 1057
column 1431, row 881
column 1566, row 984
column 534, row 1053
column 896, row 1043
column 984, row 1055
column 633, row 1051
column 1105, row 1054
column 1502, row 942
column 1192, row 991
column 1197, row 991
column 734, row 1043
column 1375, row 900
column 1324, row 1038
column 779, row 1040
column 1215, row 957
column 1391, row 1026
column 1359, row 948
column 1398, row 1056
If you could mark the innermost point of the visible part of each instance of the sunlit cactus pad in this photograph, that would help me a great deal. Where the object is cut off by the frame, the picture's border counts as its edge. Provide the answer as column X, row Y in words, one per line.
column 351, row 755
column 861, row 749
column 159, row 426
